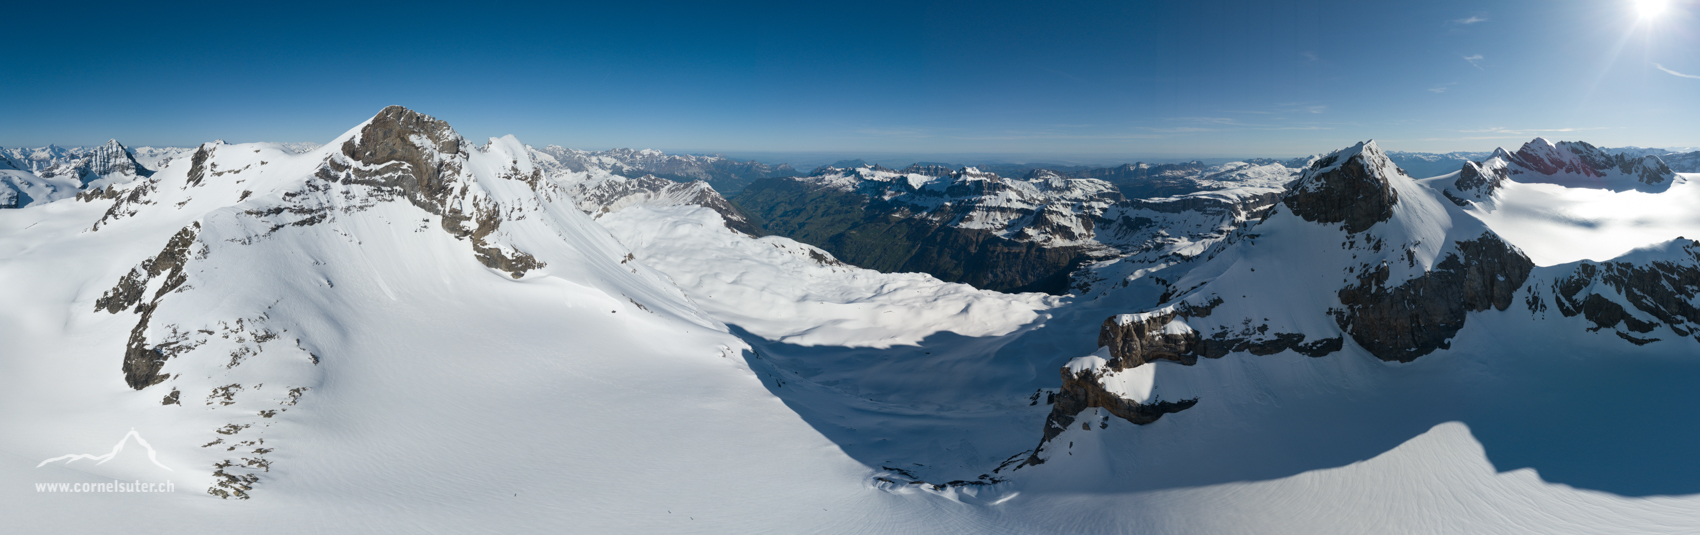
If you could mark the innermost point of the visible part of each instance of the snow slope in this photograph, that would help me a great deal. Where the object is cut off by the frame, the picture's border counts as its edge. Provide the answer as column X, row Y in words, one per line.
column 794, row 293
column 429, row 335
column 415, row 386
column 1499, row 434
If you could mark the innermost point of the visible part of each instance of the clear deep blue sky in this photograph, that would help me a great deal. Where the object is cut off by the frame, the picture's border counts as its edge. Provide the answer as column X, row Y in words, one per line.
column 1129, row 78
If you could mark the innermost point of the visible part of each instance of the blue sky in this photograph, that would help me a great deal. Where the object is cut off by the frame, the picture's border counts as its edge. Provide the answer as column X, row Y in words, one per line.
column 1130, row 79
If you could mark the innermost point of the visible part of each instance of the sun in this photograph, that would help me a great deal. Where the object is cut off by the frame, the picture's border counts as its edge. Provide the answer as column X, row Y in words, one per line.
column 1650, row 8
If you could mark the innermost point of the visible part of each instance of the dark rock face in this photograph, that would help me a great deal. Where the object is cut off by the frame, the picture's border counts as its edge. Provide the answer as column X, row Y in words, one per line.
column 1134, row 340
column 142, row 362
column 1474, row 178
column 428, row 180
column 198, row 166
column 1350, row 193
column 385, row 142
column 1134, row 343
column 1084, row 391
column 1664, row 290
column 125, row 204
column 1138, row 339
column 1422, row 314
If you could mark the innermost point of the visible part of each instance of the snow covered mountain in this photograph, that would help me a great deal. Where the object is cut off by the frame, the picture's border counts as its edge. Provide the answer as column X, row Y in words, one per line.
column 1360, row 259
column 1027, row 234
column 725, row 174
column 402, row 330
column 308, row 330
column 1367, row 356
column 598, row 194
column 1572, row 164
column 1686, row 162
column 51, row 173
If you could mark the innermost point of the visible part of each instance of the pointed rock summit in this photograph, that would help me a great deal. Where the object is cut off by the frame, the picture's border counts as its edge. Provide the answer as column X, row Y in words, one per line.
column 1349, row 186
column 423, row 159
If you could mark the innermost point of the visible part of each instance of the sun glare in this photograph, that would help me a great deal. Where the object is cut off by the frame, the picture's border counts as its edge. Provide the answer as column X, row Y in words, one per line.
column 1650, row 8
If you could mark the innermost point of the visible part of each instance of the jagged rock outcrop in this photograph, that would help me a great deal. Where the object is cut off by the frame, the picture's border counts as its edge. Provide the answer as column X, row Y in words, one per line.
column 1136, row 339
column 1566, row 163
column 1422, row 314
column 142, row 359
column 1347, row 187
column 1661, row 291
column 1083, row 390
column 1582, row 159
column 1477, row 181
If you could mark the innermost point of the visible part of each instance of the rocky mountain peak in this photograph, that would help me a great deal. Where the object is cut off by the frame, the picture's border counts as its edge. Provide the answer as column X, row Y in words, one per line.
column 423, row 159
column 111, row 158
column 975, row 172
column 1351, row 186
column 398, row 134
column 1042, row 174
column 931, row 169
column 1580, row 164
column 385, row 135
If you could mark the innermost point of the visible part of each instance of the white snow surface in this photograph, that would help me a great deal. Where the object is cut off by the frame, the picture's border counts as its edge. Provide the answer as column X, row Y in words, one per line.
column 782, row 290
column 661, row 373
column 1554, row 224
